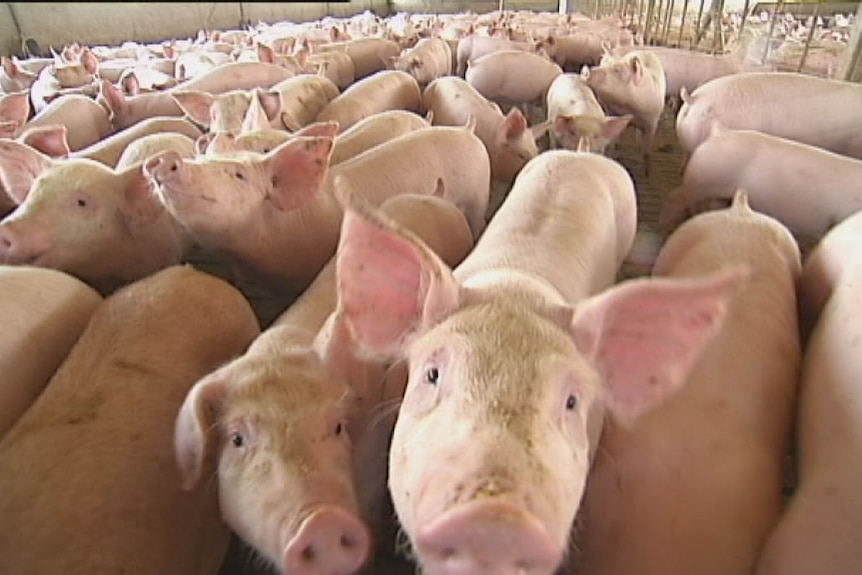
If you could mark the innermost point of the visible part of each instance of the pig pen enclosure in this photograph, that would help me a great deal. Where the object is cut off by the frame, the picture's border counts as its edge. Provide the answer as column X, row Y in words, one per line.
column 816, row 38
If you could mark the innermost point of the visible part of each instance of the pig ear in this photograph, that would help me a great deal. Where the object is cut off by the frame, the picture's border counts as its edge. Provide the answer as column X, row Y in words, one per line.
column 265, row 54
column 114, row 97
column 130, row 84
column 90, row 62
column 196, row 104
column 585, row 72
column 645, row 335
column 270, row 101
column 194, row 428
column 684, row 96
column 141, row 206
column 9, row 66
column 298, row 168
column 390, row 284
column 612, row 127
column 15, row 107
column 51, row 140
column 514, row 125
column 203, row 143
column 20, row 165
column 565, row 124
column 319, row 129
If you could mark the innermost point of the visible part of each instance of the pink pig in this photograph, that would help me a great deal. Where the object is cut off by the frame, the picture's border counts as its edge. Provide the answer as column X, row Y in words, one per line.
column 379, row 92
column 512, row 357
column 822, row 524
column 512, row 76
column 695, row 486
column 286, row 196
column 508, row 139
column 79, row 216
column 303, row 403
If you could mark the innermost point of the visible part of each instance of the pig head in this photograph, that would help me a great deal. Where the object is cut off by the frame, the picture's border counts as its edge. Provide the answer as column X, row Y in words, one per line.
column 496, row 431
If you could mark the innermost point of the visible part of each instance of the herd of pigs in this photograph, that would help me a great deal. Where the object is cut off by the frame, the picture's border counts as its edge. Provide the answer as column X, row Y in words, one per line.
column 472, row 387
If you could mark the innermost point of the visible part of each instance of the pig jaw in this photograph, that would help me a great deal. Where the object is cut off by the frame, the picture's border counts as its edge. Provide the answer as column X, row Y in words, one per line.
column 512, row 463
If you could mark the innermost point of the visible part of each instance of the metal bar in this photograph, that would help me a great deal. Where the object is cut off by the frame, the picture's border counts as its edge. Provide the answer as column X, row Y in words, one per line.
column 667, row 17
column 778, row 9
column 640, row 12
column 744, row 19
column 650, row 8
column 655, row 21
column 810, row 36
column 853, row 71
column 718, row 38
column 682, row 23
column 697, row 25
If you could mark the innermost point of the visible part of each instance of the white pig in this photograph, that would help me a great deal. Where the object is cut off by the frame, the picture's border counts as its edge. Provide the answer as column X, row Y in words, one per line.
column 103, row 226
column 578, row 120
column 807, row 188
column 327, row 421
column 87, row 478
column 509, row 366
column 286, row 196
column 512, row 76
column 379, row 92
column 695, row 486
column 821, row 525
column 429, row 59
column 41, row 307
column 632, row 84
column 799, row 107
column 508, row 139
column 473, row 47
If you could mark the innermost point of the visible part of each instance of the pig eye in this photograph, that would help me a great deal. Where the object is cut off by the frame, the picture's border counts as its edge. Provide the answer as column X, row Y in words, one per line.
column 339, row 428
column 82, row 203
column 239, row 176
column 571, row 402
column 237, row 440
column 432, row 376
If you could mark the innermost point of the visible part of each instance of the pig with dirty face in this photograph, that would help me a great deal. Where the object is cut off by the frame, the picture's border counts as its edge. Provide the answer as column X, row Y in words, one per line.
column 506, row 387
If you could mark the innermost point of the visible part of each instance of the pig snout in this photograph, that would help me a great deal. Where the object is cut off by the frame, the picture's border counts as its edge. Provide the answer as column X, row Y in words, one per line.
column 17, row 248
column 331, row 541
column 487, row 538
column 165, row 167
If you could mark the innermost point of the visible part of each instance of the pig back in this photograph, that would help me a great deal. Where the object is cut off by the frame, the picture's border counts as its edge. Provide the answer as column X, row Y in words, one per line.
column 88, row 482
column 570, row 218
column 43, row 312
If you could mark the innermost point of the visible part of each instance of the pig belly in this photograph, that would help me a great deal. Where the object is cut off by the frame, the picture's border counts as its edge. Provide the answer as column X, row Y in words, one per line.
column 42, row 309
column 696, row 485
column 821, row 529
column 88, row 480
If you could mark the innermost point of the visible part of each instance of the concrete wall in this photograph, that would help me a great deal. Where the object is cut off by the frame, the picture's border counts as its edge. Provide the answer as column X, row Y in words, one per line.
column 453, row 6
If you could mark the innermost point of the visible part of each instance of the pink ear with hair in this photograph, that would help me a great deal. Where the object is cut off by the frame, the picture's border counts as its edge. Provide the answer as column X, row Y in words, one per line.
column 644, row 336
column 51, row 140
column 193, row 432
column 196, row 104
column 298, row 168
column 20, row 165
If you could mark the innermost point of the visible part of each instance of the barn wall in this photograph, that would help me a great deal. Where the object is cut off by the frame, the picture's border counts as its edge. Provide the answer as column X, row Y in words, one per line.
column 454, row 6
column 59, row 23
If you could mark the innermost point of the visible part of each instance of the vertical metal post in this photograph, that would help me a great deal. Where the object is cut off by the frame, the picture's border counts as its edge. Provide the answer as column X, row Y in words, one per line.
column 667, row 17
column 682, row 23
column 810, row 36
column 697, row 24
column 778, row 8
column 744, row 18
column 655, row 21
column 647, row 26
column 717, row 16
column 640, row 10
column 852, row 72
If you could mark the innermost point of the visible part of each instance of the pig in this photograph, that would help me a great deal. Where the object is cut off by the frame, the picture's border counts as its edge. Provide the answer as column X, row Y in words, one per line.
column 807, row 188
column 373, row 131
column 512, row 76
column 337, row 66
column 142, row 78
column 86, row 122
column 260, row 141
column 14, row 113
column 218, row 113
column 631, row 84
column 312, row 521
column 37, row 305
column 473, row 47
column 382, row 91
column 296, row 102
column 286, row 196
column 87, row 478
column 578, row 120
column 824, row 267
column 820, row 526
column 764, row 101
column 572, row 52
column 102, row 226
column 110, row 150
column 144, row 148
column 369, row 55
column 502, row 455
column 429, row 59
column 508, row 139
column 128, row 111
column 695, row 486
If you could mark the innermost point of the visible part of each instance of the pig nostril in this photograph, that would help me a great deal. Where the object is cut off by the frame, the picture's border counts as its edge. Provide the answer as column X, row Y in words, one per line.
column 308, row 555
column 347, row 541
